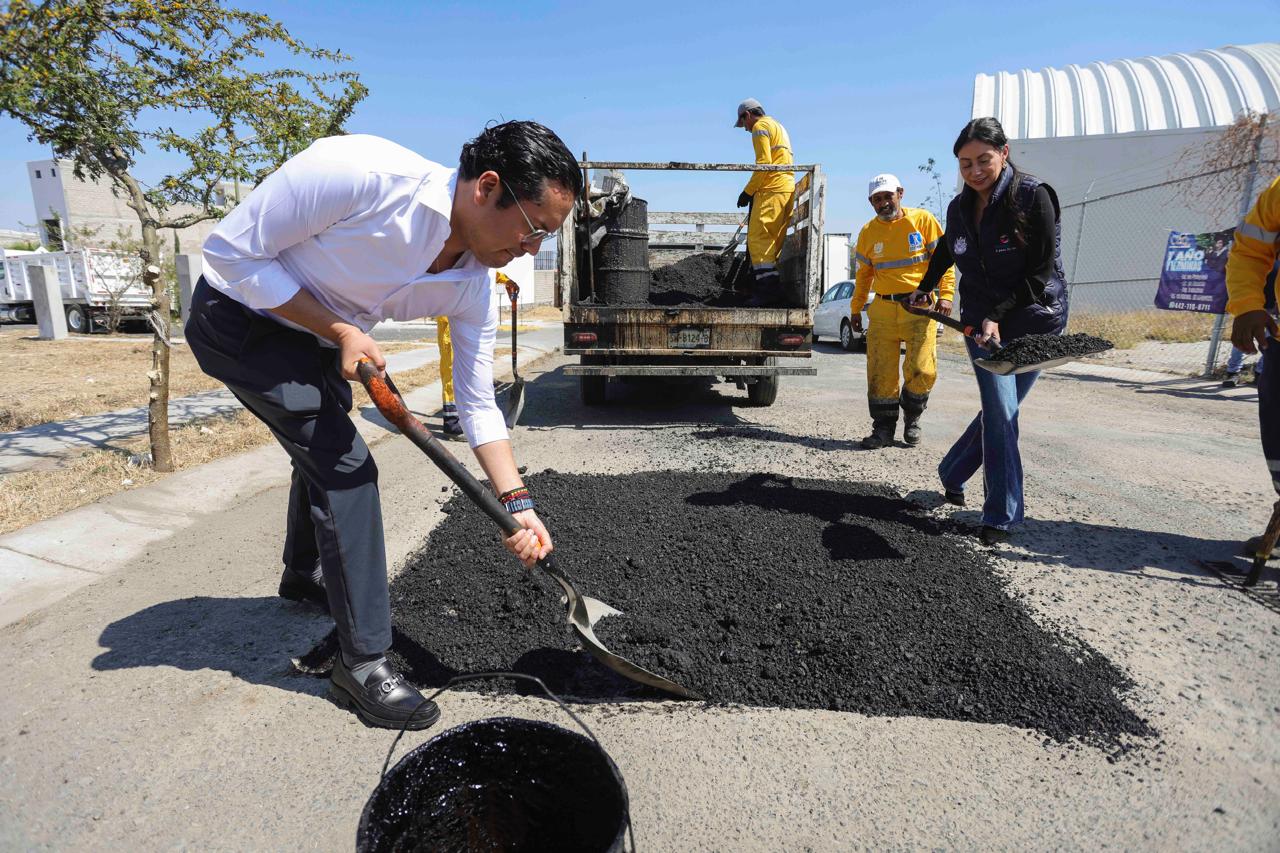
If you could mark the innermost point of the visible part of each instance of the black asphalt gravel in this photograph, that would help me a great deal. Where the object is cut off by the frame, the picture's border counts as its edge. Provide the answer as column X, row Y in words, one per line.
column 1033, row 349
column 756, row 590
column 695, row 282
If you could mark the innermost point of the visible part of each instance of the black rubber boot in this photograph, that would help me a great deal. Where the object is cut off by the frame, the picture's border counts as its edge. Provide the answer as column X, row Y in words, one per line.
column 911, row 431
column 768, row 290
column 881, row 434
column 913, row 406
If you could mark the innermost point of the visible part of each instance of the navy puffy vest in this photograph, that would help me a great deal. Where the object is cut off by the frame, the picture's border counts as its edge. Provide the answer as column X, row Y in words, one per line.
column 991, row 265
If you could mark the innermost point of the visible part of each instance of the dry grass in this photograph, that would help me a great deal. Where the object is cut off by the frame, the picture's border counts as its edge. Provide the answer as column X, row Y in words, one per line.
column 42, row 381
column 537, row 312
column 1127, row 329
column 30, row 496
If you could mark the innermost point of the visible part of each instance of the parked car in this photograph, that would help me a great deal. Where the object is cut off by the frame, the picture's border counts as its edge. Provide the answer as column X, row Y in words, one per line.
column 831, row 317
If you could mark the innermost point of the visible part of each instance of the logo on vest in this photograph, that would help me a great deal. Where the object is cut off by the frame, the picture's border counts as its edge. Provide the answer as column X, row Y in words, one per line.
column 915, row 241
column 877, row 249
column 960, row 246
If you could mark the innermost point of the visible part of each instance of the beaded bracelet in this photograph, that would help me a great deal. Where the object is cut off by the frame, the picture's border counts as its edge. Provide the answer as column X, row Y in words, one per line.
column 517, row 500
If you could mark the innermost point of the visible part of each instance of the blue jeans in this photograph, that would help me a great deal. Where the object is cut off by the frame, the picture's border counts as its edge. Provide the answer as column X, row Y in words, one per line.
column 991, row 443
column 1235, row 361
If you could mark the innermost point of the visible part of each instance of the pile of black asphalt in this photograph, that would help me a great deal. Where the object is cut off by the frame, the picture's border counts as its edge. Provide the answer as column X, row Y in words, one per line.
column 696, row 282
column 755, row 590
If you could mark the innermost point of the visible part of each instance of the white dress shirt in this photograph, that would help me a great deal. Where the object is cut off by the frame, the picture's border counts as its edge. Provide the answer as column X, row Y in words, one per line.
column 356, row 221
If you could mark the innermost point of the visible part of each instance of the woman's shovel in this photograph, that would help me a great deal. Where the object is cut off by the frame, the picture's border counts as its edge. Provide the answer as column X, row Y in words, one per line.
column 1084, row 346
column 582, row 612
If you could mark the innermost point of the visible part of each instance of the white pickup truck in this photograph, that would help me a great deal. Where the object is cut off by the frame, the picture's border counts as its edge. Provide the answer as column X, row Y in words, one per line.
column 92, row 281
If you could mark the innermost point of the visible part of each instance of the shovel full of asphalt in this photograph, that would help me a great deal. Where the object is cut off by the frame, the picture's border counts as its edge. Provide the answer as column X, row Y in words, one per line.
column 1028, row 353
column 582, row 611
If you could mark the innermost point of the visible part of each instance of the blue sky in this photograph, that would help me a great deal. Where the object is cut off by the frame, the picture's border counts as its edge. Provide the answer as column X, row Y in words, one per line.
column 861, row 89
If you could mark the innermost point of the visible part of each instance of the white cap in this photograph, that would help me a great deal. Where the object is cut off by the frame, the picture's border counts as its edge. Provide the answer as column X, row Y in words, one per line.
column 885, row 183
column 744, row 107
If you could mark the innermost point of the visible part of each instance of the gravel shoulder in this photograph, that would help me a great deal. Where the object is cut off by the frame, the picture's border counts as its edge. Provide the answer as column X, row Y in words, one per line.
column 157, row 706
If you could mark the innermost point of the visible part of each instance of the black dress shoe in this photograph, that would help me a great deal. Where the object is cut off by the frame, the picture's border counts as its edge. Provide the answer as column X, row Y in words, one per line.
column 993, row 535
column 953, row 498
column 385, row 699
column 296, row 586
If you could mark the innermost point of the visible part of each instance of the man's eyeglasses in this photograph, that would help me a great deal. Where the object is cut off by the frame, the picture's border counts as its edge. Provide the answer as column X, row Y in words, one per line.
column 531, row 241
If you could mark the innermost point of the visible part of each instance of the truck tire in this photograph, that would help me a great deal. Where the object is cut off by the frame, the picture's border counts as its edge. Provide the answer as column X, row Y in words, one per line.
column 79, row 320
column 764, row 390
column 594, row 389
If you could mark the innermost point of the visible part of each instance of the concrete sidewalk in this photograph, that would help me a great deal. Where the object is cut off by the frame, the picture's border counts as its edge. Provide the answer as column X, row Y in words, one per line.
column 46, row 561
column 44, row 445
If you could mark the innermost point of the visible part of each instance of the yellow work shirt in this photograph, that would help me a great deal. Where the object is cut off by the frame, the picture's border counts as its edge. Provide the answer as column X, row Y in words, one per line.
column 773, row 148
column 892, row 256
column 1253, row 253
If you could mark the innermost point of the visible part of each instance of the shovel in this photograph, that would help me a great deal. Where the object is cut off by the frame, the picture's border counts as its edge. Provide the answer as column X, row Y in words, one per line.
column 582, row 611
column 729, row 252
column 515, row 404
column 1002, row 368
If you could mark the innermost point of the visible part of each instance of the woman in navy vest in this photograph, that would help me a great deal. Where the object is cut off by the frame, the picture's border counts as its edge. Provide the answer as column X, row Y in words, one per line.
column 1003, row 235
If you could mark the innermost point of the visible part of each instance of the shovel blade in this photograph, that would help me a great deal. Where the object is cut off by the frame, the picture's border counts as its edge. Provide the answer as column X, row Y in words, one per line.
column 1008, row 368
column 515, row 404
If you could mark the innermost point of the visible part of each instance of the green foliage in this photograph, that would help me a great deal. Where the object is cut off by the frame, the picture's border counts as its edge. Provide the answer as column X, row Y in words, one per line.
column 103, row 81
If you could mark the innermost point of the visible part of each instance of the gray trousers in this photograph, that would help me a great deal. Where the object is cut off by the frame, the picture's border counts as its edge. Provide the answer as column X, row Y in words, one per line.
column 295, row 386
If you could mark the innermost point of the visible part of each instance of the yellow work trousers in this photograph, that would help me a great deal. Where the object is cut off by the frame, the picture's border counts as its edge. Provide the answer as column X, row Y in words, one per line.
column 890, row 325
column 767, row 227
column 446, row 358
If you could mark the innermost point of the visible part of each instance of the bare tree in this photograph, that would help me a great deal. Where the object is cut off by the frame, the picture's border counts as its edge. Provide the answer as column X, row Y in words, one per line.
column 935, row 201
column 1226, row 170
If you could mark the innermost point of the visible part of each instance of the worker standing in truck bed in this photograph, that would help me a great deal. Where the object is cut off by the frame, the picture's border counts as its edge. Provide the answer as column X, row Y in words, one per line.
column 770, row 196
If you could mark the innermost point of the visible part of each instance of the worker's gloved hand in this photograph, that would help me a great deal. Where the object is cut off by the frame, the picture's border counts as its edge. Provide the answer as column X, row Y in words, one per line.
column 533, row 542
column 1249, row 331
column 354, row 345
column 855, row 321
column 743, row 199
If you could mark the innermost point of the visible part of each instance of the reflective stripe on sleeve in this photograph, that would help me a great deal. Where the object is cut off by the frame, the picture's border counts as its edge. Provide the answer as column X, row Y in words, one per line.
column 1255, row 232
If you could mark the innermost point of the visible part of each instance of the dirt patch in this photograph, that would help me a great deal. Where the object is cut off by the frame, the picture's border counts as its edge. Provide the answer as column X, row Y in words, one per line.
column 43, row 381
column 755, row 590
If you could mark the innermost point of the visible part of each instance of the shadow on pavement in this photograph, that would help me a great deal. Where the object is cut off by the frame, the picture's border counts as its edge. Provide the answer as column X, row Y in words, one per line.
column 250, row 638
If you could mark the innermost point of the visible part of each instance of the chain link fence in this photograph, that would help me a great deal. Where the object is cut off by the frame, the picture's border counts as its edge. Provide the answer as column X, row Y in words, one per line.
column 1113, row 250
column 1113, row 247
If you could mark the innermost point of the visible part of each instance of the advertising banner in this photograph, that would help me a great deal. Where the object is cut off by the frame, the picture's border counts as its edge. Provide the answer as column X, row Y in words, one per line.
column 1194, row 277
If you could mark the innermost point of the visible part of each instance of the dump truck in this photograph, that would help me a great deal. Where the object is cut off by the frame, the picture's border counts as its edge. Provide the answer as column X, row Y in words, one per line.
column 95, row 285
column 746, row 346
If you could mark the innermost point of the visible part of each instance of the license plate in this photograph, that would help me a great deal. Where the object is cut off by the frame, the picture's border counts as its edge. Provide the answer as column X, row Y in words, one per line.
column 690, row 338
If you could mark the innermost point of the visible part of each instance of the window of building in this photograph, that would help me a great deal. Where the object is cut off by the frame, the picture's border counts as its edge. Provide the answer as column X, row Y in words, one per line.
column 53, row 232
column 53, row 173
column 37, row 173
column 545, row 259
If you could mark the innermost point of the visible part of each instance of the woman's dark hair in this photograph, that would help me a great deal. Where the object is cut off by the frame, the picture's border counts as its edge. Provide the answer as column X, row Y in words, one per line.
column 988, row 130
column 525, row 155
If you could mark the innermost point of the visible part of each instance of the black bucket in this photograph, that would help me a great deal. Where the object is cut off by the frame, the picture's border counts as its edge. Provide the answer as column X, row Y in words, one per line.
column 499, row 784
column 622, row 258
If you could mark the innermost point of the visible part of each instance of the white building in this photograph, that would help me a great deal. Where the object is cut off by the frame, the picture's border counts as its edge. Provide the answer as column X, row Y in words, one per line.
column 1113, row 138
column 64, row 205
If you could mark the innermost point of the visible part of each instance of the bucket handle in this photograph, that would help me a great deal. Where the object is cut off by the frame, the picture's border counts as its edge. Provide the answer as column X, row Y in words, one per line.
column 477, row 676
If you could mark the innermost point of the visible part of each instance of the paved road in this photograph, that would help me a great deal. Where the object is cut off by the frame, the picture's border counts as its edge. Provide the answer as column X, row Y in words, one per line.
column 155, row 707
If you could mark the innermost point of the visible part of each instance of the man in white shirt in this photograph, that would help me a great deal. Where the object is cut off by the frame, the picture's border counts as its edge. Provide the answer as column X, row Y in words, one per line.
column 354, row 230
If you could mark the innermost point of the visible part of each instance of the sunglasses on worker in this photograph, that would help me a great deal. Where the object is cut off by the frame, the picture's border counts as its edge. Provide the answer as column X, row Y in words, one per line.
column 531, row 241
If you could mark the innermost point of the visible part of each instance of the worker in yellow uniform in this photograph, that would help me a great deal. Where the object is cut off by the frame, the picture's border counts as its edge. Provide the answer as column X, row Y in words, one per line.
column 452, row 425
column 770, row 196
column 1253, row 254
column 892, row 254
